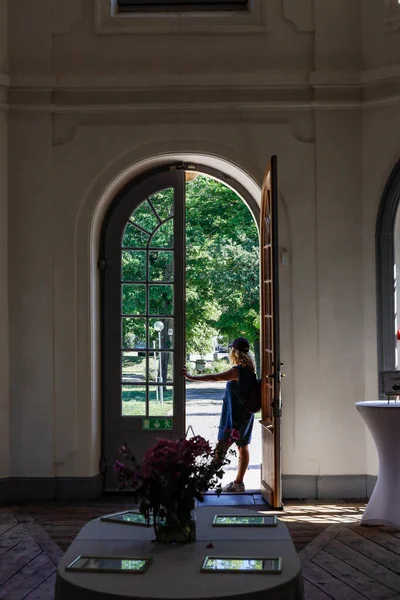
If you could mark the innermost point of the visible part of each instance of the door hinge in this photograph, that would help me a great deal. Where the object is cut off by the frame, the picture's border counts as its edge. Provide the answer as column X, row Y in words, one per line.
column 103, row 264
column 184, row 167
column 102, row 465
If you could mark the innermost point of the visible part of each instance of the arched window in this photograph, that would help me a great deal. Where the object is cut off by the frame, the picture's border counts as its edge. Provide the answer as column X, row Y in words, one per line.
column 388, row 271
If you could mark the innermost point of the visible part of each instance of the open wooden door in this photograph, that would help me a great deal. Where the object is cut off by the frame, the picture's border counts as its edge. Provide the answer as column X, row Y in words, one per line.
column 271, row 477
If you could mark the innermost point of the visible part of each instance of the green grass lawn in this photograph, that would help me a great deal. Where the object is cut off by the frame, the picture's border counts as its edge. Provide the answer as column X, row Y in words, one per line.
column 133, row 408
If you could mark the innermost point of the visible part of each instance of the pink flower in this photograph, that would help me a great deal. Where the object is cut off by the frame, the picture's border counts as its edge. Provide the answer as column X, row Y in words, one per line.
column 119, row 467
column 235, row 435
column 172, row 472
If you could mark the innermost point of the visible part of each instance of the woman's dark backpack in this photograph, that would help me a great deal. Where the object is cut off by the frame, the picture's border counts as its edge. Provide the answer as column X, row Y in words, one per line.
column 253, row 400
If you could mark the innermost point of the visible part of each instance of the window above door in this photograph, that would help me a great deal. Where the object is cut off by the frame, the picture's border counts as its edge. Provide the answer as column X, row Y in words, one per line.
column 128, row 6
column 392, row 17
column 181, row 16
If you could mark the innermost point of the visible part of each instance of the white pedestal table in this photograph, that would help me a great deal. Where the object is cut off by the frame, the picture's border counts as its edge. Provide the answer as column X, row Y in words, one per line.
column 175, row 572
column 383, row 421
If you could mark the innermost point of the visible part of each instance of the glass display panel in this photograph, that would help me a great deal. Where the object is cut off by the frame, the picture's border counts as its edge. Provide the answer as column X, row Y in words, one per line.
column 109, row 565
column 221, row 564
column 245, row 521
column 129, row 517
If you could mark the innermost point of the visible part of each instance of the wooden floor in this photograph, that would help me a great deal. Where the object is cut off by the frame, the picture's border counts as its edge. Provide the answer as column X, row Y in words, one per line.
column 28, row 558
column 341, row 559
column 352, row 562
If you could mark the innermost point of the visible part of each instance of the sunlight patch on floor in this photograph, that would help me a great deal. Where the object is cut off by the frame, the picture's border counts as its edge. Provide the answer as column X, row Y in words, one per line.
column 321, row 513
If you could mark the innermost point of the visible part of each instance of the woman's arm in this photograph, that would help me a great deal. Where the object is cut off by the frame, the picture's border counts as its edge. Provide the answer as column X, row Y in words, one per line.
column 232, row 374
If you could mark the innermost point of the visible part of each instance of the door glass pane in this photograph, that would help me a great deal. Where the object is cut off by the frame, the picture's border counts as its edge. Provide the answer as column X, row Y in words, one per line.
column 134, row 237
column 163, row 203
column 164, row 339
column 133, row 367
column 160, row 367
column 147, row 273
column 161, row 299
column 133, row 400
column 145, row 217
column 133, row 332
column 133, row 265
column 164, row 236
column 133, row 299
column 161, row 266
column 161, row 401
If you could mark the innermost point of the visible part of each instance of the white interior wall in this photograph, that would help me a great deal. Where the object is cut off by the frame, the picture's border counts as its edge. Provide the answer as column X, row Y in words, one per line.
column 86, row 107
column 380, row 154
column 4, row 381
column 77, row 152
column 380, row 151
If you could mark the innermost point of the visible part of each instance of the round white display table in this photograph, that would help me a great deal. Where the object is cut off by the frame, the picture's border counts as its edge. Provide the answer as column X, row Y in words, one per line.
column 175, row 572
column 383, row 421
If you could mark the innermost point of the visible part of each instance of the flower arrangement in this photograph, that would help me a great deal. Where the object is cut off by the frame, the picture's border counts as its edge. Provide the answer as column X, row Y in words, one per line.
column 173, row 474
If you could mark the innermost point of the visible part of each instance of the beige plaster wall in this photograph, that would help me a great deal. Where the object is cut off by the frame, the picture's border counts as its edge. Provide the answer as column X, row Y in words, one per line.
column 4, row 380
column 85, row 106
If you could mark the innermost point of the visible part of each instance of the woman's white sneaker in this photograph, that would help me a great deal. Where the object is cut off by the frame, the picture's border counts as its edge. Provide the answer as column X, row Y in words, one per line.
column 234, row 488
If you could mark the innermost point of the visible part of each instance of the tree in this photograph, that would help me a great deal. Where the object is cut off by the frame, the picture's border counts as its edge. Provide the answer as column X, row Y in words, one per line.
column 222, row 269
column 222, row 258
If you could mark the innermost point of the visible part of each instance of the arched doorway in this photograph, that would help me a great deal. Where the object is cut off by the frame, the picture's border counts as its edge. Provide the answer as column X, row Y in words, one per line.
column 388, row 272
column 142, row 264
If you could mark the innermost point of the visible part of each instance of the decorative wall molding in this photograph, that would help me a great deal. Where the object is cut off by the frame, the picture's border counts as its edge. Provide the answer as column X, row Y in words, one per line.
column 109, row 21
column 65, row 15
column 392, row 17
column 4, row 85
column 200, row 94
column 65, row 128
column 300, row 13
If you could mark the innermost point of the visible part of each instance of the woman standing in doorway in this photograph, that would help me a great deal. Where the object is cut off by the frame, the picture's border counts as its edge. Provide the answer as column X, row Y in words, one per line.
column 234, row 419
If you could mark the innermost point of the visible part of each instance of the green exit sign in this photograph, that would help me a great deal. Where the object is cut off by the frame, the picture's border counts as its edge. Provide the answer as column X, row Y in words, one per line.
column 156, row 424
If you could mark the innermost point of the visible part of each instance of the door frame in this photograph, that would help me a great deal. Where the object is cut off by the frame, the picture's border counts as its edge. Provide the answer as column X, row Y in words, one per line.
column 135, row 181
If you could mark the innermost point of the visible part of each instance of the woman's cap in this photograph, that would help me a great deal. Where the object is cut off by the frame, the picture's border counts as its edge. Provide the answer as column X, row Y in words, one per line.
column 240, row 344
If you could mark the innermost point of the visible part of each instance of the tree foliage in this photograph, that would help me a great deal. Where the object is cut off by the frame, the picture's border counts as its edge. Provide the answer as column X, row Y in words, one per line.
column 222, row 264
column 222, row 268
